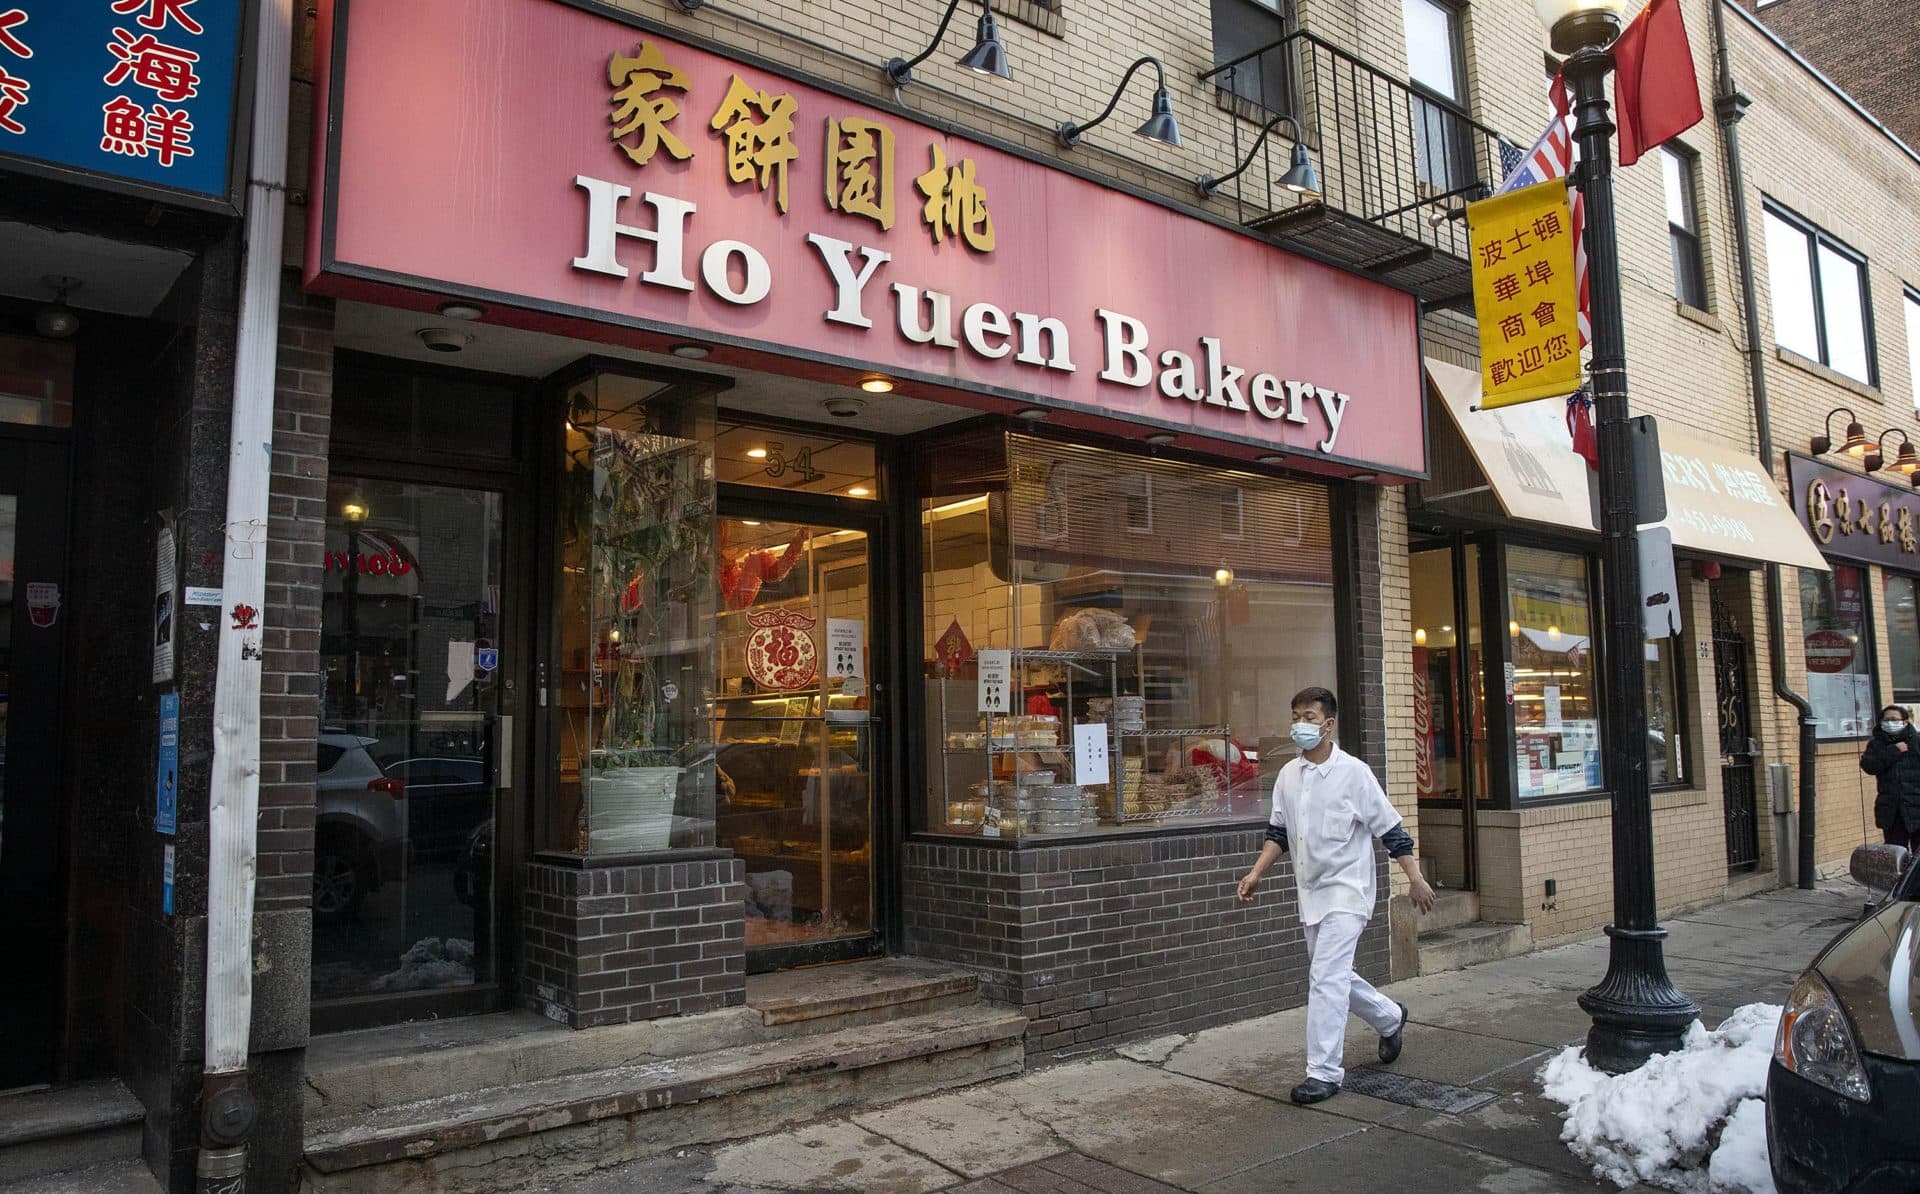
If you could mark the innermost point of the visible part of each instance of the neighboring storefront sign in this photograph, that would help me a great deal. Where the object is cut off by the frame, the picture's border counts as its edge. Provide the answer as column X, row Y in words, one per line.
column 640, row 181
column 1522, row 246
column 127, row 93
column 1720, row 501
column 1854, row 517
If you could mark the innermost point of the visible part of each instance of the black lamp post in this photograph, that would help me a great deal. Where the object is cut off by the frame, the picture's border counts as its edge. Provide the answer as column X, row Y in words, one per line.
column 1636, row 1010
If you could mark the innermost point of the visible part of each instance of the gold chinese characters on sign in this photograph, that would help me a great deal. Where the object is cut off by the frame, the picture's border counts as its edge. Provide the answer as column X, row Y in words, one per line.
column 860, row 169
column 956, row 202
column 638, row 111
column 1523, row 289
column 1832, row 512
column 758, row 130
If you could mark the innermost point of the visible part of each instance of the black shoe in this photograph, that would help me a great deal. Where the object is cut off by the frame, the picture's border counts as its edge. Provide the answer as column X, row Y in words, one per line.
column 1313, row 1090
column 1390, row 1045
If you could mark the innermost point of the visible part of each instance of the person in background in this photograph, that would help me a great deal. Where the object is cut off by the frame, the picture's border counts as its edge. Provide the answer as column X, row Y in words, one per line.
column 1892, row 757
column 1327, row 809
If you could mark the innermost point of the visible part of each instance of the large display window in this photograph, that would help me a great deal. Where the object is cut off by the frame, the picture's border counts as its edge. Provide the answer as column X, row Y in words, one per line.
column 1839, row 660
column 1555, row 696
column 1903, row 638
column 1110, row 640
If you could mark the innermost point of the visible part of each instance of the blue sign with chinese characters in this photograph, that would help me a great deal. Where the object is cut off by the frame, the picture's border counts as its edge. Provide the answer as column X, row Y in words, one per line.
column 138, row 90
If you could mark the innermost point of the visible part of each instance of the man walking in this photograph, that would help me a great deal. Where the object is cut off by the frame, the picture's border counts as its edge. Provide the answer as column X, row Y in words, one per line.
column 1327, row 808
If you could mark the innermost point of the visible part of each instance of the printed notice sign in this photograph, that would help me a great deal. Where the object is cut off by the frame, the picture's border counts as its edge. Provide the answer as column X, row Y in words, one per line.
column 1090, row 754
column 996, row 680
column 1550, row 694
column 166, row 781
column 166, row 880
column 846, row 653
column 164, row 569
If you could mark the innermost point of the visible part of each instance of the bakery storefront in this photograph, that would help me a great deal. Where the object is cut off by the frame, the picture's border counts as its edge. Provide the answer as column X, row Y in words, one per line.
column 764, row 530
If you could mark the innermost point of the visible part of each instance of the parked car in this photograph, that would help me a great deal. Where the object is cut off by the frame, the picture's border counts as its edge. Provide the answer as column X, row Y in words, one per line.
column 360, row 826
column 447, row 795
column 1843, row 1091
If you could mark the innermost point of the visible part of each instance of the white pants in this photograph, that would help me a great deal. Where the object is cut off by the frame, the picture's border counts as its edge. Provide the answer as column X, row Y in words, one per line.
column 1334, row 990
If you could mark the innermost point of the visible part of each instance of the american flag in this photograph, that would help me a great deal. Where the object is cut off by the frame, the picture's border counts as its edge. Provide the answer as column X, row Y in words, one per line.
column 1552, row 157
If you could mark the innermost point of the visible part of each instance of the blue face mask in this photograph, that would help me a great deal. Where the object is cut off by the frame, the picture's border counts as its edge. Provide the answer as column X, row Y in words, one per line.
column 1307, row 734
column 1893, row 727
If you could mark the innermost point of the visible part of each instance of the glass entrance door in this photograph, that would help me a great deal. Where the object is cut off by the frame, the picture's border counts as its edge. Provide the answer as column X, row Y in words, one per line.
column 794, row 728
column 33, row 503
column 413, row 750
column 1449, row 732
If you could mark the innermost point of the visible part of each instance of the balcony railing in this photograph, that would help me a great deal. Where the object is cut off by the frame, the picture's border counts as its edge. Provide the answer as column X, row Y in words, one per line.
column 1396, row 163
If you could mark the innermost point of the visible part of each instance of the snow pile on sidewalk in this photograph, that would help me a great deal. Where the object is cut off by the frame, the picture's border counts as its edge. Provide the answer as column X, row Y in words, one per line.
column 431, row 962
column 1693, row 1120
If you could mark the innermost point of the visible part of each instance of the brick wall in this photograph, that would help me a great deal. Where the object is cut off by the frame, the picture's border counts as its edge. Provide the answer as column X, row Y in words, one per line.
column 1099, row 941
column 1868, row 47
column 290, row 679
column 612, row 944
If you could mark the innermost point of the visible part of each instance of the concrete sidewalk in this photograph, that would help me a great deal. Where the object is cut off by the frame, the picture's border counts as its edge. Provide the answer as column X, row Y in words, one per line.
column 1209, row 1112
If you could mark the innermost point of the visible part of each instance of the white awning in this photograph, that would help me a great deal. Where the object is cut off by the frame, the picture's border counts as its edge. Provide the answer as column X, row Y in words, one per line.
column 1720, row 501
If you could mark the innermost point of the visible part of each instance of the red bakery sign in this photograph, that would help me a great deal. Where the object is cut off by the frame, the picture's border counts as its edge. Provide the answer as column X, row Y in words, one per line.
column 1829, row 651
column 593, row 172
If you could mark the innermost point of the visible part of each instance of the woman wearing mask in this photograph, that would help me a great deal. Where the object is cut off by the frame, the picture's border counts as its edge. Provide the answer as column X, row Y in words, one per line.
column 1893, row 757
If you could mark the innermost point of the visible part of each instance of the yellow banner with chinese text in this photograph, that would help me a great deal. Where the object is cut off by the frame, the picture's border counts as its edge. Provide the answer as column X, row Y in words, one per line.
column 1523, row 291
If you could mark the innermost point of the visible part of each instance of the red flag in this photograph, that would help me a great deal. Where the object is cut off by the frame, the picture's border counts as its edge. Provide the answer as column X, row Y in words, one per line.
column 1580, row 425
column 1655, row 91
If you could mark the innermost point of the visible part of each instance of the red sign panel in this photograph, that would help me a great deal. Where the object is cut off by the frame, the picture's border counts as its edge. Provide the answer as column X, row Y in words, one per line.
column 1829, row 651
column 567, row 169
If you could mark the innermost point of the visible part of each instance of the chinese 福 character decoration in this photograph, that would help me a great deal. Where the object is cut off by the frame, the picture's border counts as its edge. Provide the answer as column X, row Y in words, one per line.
column 1523, row 285
column 860, row 169
column 638, row 110
column 956, row 203
column 759, row 130
column 13, row 90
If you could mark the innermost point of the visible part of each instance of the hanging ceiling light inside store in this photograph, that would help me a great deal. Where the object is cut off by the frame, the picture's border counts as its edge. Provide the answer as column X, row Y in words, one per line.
column 988, row 56
column 56, row 320
column 1160, row 126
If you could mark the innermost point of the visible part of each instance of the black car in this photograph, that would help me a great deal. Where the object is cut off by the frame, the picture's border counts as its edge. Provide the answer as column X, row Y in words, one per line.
column 1843, row 1092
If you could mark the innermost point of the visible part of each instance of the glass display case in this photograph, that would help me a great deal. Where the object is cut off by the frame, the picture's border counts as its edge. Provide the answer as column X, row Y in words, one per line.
column 636, row 604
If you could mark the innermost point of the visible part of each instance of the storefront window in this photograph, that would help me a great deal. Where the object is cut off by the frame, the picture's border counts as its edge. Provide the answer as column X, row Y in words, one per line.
column 1081, row 596
column 1666, row 715
column 1556, row 712
column 1903, row 638
column 1833, row 616
column 636, row 620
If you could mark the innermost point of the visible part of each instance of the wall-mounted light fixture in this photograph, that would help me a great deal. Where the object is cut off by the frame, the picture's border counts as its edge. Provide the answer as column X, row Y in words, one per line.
column 1301, row 178
column 988, row 56
column 1906, row 461
column 1160, row 126
column 1856, row 443
column 56, row 320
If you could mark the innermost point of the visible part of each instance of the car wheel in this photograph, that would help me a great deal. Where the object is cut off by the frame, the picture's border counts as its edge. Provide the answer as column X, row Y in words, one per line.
column 340, row 882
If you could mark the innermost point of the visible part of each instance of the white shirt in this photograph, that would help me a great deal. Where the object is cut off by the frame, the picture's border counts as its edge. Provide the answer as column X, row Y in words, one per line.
column 1332, row 811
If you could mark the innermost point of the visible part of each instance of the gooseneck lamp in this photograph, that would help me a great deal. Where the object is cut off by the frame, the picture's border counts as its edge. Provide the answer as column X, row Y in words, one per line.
column 988, row 56
column 1160, row 126
column 1301, row 178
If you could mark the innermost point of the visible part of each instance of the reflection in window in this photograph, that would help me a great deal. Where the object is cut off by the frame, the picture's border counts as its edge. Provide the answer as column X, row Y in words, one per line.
column 1556, row 712
column 1833, row 621
column 1183, row 646
column 1666, row 714
column 1903, row 638
column 1819, row 293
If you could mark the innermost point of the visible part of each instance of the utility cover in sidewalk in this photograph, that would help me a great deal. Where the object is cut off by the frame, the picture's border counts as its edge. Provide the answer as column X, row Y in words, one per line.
column 1416, row 1092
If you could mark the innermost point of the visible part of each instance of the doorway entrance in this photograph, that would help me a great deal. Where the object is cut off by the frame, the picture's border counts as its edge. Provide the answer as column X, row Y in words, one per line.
column 33, row 539
column 796, row 728
column 1450, row 749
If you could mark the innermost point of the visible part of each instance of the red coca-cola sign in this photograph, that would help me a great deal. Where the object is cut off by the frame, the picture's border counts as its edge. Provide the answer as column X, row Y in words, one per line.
column 1829, row 651
column 1422, row 725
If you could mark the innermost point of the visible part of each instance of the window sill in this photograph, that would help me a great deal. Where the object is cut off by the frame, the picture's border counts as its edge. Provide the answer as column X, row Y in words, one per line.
column 1031, row 12
column 1693, row 314
column 1108, row 833
column 1824, row 373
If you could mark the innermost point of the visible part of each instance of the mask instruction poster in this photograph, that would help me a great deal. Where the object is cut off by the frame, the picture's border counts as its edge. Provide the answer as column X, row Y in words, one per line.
column 996, row 680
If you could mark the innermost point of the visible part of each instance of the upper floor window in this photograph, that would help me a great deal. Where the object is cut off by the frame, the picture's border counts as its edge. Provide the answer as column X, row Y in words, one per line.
column 1436, row 57
column 1683, row 227
column 1819, row 292
column 1241, row 27
column 1913, row 344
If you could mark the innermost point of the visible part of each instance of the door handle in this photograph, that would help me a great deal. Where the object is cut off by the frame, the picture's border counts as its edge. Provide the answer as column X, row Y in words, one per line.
column 503, row 752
